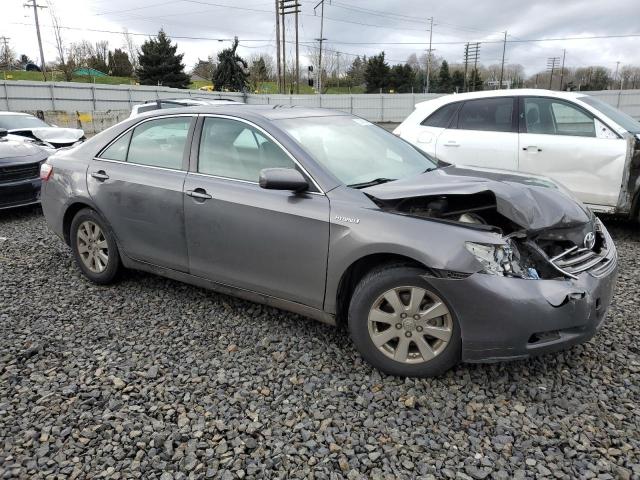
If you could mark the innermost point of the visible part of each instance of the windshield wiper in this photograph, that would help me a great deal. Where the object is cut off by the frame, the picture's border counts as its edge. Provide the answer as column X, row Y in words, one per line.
column 371, row 183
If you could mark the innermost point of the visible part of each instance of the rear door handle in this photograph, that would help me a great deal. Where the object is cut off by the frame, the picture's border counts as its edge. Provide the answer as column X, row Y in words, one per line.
column 100, row 175
column 451, row 144
column 199, row 193
column 531, row 148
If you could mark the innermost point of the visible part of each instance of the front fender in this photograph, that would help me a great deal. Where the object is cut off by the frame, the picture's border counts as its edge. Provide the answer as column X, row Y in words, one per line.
column 434, row 244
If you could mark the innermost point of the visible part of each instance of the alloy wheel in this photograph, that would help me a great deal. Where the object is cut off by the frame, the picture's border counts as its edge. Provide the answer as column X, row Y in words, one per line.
column 410, row 324
column 92, row 246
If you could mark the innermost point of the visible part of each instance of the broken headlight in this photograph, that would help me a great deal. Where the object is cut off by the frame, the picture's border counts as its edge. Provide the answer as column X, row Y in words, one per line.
column 501, row 260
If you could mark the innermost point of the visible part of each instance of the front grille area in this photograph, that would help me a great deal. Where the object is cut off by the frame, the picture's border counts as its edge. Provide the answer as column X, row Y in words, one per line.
column 576, row 260
column 15, row 173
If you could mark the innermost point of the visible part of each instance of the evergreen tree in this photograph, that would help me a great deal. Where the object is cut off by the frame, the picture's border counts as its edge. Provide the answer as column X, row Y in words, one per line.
column 160, row 65
column 355, row 73
column 444, row 78
column 231, row 72
column 475, row 81
column 376, row 74
column 400, row 78
column 457, row 81
column 258, row 73
column 119, row 64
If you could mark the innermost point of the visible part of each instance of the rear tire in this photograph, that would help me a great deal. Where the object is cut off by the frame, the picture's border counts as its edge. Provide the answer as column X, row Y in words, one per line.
column 403, row 326
column 94, row 247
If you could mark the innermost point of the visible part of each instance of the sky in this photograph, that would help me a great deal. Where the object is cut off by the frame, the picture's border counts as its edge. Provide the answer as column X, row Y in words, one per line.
column 350, row 26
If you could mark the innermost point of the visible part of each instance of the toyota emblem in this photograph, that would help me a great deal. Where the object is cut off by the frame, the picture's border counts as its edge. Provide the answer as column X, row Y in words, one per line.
column 590, row 240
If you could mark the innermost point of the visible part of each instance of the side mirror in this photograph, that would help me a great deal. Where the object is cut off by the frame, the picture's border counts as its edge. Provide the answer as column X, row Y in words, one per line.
column 3, row 132
column 283, row 179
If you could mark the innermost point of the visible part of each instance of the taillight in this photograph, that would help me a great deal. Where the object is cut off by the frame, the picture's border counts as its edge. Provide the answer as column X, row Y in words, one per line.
column 46, row 171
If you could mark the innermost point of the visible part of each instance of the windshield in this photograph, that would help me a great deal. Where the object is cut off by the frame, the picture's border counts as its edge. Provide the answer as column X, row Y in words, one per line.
column 621, row 118
column 13, row 122
column 355, row 150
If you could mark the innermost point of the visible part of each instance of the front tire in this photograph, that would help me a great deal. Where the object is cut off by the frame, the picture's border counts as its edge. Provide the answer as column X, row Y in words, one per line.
column 94, row 247
column 401, row 325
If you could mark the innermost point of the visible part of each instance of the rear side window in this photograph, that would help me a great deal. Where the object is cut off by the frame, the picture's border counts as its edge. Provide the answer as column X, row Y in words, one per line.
column 159, row 143
column 487, row 114
column 441, row 117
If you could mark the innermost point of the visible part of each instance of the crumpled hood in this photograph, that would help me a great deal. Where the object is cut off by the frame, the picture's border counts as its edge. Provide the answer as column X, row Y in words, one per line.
column 533, row 203
column 54, row 135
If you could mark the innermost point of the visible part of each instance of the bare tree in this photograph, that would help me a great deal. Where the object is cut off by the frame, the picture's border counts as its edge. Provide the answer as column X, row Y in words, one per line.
column 7, row 57
column 65, row 65
column 132, row 50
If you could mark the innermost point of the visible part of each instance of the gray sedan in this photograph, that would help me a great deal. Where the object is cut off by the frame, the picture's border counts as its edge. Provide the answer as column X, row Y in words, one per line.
column 324, row 214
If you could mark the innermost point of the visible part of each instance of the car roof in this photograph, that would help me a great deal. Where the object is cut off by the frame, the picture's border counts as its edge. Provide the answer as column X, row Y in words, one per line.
column 270, row 112
column 534, row 92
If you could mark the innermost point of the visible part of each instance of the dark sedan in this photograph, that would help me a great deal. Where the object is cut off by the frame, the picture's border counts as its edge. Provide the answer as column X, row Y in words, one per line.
column 19, row 172
column 330, row 216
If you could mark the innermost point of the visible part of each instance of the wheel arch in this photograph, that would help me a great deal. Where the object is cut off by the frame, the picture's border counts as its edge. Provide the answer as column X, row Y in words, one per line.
column 70, row 212
column 358, row 269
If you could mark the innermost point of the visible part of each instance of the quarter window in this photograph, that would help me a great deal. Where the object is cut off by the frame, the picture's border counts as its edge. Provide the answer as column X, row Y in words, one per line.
column 555, row 117
column 118, row 149
column 487, row 114
column 441, row 117
column 160, row 143
column 233, row 149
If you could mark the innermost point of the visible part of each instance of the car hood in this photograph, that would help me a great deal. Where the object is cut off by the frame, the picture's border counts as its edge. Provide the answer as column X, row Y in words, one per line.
column 533, row 203
column 12, row 153
column 52, row 135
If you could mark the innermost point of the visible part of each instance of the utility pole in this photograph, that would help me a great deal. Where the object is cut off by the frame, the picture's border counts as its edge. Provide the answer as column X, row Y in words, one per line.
column 466, row 65
column 615, row 75
column 287, row 7
column 564, row 53
column 5, row 54
column 552, row 63
column 429, row 53
column 338, row 67
column 321, row 39
column 284, row 50
column 504, row 48
column 278, row 47
column 471, row 51
column 34, row 4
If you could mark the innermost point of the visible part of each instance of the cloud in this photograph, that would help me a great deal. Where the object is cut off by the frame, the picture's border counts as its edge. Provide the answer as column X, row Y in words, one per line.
column 357, row 27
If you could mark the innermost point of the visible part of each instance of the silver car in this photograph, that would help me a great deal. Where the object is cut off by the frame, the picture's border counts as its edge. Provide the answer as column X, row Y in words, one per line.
column 327, row 215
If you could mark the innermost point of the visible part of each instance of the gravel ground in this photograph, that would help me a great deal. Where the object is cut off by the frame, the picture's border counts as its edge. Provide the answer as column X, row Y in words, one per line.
column 151, row 378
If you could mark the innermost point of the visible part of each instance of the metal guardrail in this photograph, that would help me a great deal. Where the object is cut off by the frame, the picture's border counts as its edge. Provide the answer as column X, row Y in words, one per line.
column 88, row 97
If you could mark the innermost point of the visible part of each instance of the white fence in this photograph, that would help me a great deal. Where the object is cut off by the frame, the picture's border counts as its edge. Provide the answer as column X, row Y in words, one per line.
column 87, row 97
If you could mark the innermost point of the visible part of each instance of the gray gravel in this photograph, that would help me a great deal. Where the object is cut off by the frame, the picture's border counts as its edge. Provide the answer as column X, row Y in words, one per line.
column 151, row 378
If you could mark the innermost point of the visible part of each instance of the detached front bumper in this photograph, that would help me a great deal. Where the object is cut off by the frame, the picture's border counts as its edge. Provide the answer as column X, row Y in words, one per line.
column 504, row 318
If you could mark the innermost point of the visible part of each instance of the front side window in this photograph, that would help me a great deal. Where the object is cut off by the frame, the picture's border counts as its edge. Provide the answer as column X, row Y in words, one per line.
column 556, row 117
column 487, row 114
column 160, row 143
column 236, row 150
column 441, row 117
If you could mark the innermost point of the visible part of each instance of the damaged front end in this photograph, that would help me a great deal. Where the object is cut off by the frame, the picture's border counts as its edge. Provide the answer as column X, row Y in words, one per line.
column 544, row 234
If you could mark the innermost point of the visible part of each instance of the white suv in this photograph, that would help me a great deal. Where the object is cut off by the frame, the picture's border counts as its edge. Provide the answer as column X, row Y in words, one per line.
column 577, row 140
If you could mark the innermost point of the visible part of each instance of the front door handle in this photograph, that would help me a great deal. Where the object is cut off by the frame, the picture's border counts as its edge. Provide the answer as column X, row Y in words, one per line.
column 451, row 144
column 531, row 148
column 100, row 175
column 199, row 193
